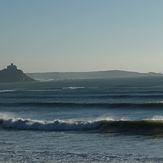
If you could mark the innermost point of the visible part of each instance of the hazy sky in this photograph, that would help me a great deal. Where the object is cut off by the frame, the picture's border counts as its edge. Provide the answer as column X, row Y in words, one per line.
column 82, row 35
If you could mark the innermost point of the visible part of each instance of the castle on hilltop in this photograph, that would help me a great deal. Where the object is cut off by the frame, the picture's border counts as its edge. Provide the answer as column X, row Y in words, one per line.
column 12, row 67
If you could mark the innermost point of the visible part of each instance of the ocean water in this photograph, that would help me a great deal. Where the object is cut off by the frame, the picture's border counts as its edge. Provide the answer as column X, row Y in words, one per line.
column 80, row 121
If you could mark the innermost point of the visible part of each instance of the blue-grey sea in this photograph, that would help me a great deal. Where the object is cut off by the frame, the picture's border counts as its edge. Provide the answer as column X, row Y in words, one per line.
column 82, row 121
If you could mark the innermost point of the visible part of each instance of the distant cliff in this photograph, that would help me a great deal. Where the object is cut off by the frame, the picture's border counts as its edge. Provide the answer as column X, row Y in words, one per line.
column 12, row 74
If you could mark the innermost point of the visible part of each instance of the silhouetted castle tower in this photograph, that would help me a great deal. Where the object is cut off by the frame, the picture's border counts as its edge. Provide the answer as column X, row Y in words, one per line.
column 11, row 67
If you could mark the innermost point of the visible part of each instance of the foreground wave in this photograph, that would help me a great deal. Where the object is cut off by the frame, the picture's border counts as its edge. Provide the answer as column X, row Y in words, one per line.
column 106, row 125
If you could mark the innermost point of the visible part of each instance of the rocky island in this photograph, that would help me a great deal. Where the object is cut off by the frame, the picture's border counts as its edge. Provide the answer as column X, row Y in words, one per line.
column 12, row 74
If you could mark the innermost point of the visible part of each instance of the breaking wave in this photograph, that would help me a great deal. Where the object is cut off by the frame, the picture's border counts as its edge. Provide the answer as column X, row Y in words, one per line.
column 100, row 125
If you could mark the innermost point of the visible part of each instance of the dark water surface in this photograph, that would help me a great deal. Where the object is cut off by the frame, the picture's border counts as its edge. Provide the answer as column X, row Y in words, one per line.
column 82, row 121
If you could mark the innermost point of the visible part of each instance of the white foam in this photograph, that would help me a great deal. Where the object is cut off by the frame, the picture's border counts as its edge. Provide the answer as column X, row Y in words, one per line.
column 73, row 88
column 45, row 80
column 156, row 118
column 111, row 118
column 56, row 125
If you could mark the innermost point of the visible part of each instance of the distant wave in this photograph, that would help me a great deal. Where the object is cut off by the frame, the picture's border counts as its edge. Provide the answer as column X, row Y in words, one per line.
column 44, row 90
column 45, row 80
column 41, row 90
column 7, row 90
column 51, row 95
column 86, row 105
column 106, row 125
column 72, row 88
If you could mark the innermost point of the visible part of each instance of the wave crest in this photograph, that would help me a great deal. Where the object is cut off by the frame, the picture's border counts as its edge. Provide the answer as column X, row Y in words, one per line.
column 106, row 124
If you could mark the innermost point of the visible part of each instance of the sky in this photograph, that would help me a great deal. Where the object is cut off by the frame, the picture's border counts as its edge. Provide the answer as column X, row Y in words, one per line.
column 82, row 35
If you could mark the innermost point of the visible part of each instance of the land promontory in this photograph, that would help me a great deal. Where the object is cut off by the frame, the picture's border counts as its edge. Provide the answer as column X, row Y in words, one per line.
column 12, row 74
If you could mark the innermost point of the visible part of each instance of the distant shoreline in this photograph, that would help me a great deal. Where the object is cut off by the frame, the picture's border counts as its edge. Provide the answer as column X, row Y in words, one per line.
column 91, row 75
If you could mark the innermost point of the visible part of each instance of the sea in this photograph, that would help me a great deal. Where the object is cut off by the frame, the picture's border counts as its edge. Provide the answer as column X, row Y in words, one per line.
column 82, row 121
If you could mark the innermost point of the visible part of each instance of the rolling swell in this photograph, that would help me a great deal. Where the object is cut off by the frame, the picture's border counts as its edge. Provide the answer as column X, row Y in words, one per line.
column 154, row 105
column 95, row 125
column 112, row 96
